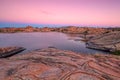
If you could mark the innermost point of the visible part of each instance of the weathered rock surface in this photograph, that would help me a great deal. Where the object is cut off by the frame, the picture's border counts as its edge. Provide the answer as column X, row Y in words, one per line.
column 109, row 41
column 9, row 51
column 55, row 64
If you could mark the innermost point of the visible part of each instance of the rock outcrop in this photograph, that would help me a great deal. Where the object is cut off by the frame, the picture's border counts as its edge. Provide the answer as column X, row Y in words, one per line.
column 55, row 64
column 109, row 41
column 9, row 51
column 67, row 29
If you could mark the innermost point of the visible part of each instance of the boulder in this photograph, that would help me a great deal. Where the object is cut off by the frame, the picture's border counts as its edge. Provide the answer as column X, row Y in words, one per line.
column 9, row 51
column 107, row 42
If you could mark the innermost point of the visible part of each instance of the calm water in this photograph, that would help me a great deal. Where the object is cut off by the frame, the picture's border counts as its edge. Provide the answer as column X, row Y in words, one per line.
column 38, row 40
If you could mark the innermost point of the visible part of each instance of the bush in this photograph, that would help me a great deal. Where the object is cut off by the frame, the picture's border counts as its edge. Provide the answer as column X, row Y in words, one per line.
column 117, row 52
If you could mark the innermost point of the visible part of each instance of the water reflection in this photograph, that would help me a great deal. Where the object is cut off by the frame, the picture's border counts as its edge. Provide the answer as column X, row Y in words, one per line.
column 38, row 40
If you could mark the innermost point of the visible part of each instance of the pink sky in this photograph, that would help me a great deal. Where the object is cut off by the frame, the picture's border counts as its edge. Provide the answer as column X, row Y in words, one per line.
column 85, row 12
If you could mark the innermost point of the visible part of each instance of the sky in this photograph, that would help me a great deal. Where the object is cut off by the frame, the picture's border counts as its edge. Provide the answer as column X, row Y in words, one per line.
column 71, row 12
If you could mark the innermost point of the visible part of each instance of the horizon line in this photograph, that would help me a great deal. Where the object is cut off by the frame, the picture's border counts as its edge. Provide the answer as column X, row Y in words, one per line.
column 19, row 24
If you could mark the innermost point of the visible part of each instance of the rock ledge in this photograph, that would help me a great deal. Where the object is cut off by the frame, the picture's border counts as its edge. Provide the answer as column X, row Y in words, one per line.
column 55, row 64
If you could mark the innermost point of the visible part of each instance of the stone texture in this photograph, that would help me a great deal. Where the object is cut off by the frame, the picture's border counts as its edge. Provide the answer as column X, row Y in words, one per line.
column 109, row 41
column 9, row 51
column 55, row 64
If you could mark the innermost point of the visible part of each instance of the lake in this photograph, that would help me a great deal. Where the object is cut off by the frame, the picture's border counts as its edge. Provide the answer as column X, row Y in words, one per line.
column 38, row 40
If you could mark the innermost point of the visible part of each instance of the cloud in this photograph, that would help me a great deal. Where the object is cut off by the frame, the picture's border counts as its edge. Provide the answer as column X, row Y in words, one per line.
column 46, row 12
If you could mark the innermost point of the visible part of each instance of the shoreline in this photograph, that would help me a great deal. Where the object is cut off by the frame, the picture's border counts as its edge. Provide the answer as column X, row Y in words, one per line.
column 90, row 35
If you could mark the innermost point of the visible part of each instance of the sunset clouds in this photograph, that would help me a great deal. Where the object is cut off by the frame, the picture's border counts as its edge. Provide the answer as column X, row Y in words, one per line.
column 86, row 12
